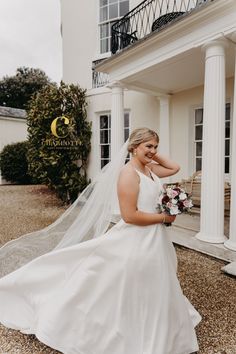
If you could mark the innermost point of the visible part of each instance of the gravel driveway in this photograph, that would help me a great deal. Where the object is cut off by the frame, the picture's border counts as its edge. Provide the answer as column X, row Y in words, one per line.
column 213, row 293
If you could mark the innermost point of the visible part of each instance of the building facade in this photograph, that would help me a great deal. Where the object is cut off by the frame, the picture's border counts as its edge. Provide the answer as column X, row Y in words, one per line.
column 170, row 66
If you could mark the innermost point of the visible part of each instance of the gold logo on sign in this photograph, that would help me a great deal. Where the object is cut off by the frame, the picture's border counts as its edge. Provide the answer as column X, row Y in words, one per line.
column 64, row 121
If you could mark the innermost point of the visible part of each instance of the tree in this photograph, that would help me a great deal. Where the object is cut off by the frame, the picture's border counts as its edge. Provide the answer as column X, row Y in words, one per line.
column 59, row 139
column 16, row 91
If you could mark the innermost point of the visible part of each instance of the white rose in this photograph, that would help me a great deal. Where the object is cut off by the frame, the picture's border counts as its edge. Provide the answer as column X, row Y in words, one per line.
column 174, row 201
column 174, row 210
column 169, row 192
column 182, row 196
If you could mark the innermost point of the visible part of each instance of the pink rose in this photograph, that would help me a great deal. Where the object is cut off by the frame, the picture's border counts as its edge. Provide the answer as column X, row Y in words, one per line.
column 188, row 203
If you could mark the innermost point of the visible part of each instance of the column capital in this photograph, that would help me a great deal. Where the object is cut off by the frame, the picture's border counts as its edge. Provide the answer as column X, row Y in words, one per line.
column 215, row 47
column 115, row 85
column 165, row 99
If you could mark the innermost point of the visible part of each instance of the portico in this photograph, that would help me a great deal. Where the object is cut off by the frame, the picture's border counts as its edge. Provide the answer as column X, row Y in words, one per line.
column 198, row 51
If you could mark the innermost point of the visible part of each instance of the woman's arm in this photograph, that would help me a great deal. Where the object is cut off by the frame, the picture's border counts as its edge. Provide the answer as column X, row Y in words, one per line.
column 164, row 167
column 128, row 190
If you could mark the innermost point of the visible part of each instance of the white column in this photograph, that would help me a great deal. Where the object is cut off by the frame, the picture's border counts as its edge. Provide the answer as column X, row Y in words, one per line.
column 117, row 117
column 231, row 242
column 1, row 147
column 164, row 125
column 212, row 181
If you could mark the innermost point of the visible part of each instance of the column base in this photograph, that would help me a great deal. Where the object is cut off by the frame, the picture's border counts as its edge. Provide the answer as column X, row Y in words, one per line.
column 230, row 268
column 211, row 238
column 230, row 245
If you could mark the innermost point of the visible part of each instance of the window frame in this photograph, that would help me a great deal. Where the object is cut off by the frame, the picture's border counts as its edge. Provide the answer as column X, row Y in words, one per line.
column 126, row 129
column 194, row 141
column 108, row 22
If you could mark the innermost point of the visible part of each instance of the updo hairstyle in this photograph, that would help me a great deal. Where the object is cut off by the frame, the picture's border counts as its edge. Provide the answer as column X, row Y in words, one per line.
column 141, row 135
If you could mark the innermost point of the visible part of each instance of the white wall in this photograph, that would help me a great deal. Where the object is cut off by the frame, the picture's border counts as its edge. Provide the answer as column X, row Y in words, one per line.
column 79, row 34
column 144, row 111
column 12, row 130
column 182, row 125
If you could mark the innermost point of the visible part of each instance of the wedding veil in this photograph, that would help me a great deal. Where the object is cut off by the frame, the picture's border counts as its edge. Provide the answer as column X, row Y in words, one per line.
column 88, row 217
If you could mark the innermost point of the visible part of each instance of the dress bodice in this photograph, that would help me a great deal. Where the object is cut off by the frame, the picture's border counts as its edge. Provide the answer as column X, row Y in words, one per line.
column 149, row 191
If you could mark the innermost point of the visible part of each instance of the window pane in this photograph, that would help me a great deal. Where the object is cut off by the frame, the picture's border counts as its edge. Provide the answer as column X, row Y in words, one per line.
column 113, row 11
column 103, row 13
column 104, row 45
column 126, row 120
column 104, row 139
column 105, row 136
column 113, row 1
column 227, row 129
column 227, row 111
column 199, row 149
column 104, row 162
column 104, row 29
column 124, row 8
column 127, row 157
column 103, row 2
column 126, row 134
column 199, row 116
column 227, row 147
column 111, row 23
column 198, row 132
column 105, row 151
column 103, row 122
column 198, row 164
column 227, row 165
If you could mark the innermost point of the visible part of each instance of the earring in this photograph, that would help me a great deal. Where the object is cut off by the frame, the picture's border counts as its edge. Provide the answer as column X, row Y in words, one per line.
column 135, row 152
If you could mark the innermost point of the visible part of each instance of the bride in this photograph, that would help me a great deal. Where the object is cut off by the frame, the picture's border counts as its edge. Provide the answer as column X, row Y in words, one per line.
column 112, row 293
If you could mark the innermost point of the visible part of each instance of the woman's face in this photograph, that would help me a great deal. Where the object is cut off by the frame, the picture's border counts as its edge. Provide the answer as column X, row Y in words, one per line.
column 146, row 151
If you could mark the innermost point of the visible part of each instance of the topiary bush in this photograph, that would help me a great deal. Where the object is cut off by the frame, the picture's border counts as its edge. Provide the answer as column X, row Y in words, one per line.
column 13, row 163
column 59, row 139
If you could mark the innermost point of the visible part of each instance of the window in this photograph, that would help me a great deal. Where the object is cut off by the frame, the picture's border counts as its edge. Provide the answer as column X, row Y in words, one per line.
column 198, row 130
column 105, row 136
column 109, row 12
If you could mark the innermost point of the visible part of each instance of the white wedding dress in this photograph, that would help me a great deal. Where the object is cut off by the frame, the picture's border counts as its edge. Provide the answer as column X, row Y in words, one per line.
column 116, row 294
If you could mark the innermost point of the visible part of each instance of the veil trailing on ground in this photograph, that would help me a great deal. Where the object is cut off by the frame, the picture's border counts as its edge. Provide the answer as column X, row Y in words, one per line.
column 87, row 218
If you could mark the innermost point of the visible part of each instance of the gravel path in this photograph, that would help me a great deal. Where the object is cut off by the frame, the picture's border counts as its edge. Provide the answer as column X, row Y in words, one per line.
column 213, row 293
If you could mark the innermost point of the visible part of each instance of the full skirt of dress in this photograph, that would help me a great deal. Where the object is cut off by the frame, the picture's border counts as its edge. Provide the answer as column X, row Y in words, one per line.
column 116, row 294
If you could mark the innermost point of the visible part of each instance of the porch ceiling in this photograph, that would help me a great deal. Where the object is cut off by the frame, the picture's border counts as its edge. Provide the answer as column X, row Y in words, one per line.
column 172, row 60
column 177, row 74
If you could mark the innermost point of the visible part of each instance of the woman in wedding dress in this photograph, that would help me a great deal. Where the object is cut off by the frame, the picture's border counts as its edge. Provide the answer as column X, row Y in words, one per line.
column 117, row 293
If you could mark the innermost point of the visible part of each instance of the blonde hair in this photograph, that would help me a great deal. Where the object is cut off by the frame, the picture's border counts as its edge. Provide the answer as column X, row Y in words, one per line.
column 141, row 135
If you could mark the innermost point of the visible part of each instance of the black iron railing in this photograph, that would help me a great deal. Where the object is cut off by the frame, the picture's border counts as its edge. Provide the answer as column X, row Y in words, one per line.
column 147, row 17
column 99, row 79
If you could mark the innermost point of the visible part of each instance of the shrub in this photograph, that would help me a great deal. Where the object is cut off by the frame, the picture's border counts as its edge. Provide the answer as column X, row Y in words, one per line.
column 58, row 156
column 13, row 163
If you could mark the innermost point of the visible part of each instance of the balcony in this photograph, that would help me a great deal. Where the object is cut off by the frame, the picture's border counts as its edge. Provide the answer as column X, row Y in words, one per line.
column 148, row 17
column 99, row 79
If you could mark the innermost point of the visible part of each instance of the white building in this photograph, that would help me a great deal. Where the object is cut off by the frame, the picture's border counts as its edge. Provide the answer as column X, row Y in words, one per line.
column 175, row 76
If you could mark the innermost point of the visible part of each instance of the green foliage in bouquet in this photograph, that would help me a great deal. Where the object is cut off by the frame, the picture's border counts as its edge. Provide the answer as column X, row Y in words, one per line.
column 59, row 139
column 13, row 163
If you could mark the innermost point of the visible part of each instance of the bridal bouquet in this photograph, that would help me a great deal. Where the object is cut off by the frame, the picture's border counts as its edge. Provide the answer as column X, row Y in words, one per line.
column 174, row 200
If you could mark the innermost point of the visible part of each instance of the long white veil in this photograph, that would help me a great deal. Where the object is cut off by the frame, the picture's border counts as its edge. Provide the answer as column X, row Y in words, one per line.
column 88, row 217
